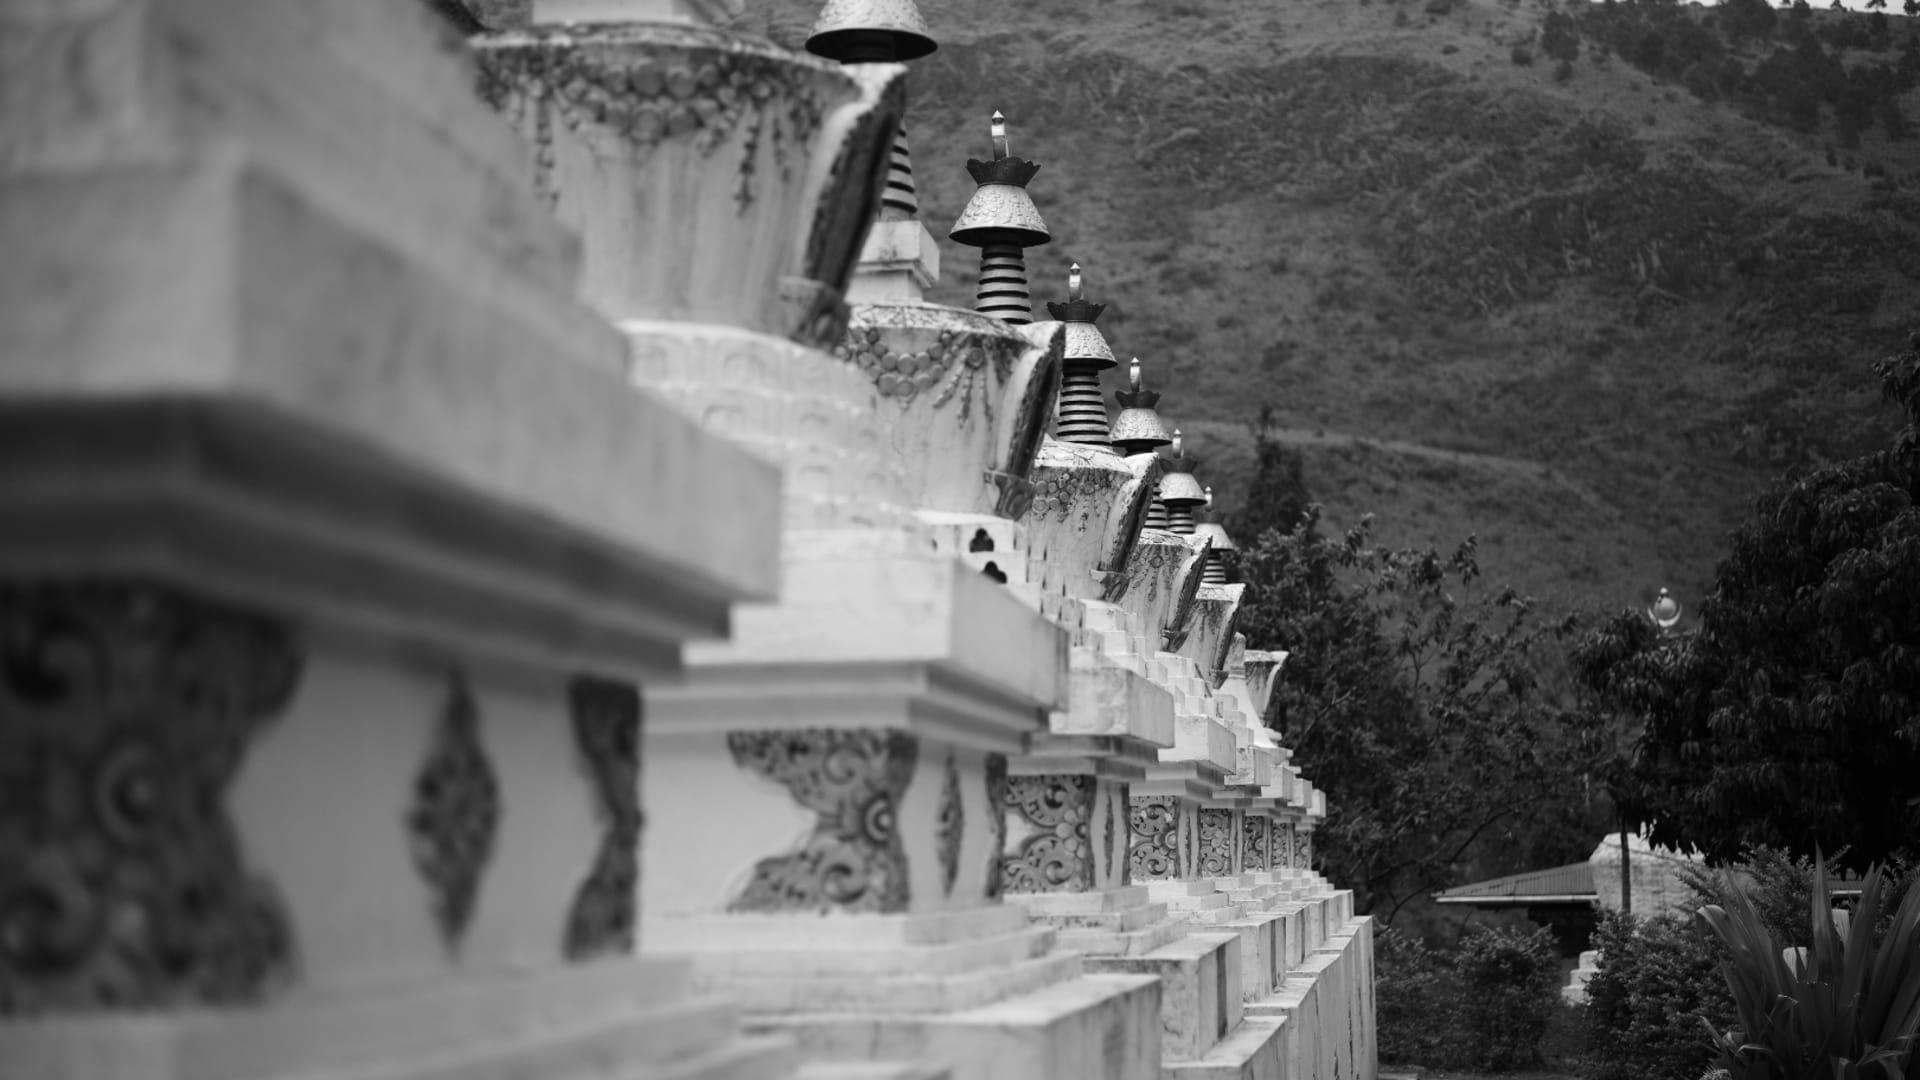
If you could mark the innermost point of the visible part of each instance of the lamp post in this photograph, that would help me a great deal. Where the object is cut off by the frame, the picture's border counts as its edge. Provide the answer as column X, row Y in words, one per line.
column 1664, row 613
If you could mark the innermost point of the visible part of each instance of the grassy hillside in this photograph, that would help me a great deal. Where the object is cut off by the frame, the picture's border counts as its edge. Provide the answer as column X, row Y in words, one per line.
column 1580, row 310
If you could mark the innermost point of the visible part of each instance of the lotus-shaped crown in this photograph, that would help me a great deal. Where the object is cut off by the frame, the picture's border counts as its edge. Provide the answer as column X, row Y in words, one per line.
column 1138, row 429
column 1001, row 213
column 1084, row 341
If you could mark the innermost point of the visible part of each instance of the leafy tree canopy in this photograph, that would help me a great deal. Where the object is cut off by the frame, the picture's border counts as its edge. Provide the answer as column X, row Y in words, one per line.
column 1791, row 717
column 1415, row 701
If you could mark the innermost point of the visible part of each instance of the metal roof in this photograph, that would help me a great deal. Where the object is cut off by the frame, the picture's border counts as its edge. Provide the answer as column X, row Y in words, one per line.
column 1572, row 883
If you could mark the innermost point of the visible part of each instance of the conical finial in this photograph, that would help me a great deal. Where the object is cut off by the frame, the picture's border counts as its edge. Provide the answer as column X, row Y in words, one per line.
column 1138, row 429
column 1002, row 222
column 998, row 129
column 1082, row 414
column 1209, row 492
column 1176, row 442
column 870, row 32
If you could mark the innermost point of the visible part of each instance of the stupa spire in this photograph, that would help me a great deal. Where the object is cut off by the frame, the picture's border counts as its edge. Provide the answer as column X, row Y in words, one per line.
column 1002, row 222
column 1082, row 416
column 900, row 260
column 1221, row 549
column 1138, row 429
column 1180, row 493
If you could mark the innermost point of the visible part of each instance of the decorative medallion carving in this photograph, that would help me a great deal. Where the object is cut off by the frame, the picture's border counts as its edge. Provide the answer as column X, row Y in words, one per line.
column 606, row 729
column 1254, row 845
column 996, row 821
column 853, row 779
column 1058, row 855
column 695, row 90
column 1155, row 823
column 125, row 711
column 951, row 827
column 1216, row 842
column 953, row 363
column 455, row 813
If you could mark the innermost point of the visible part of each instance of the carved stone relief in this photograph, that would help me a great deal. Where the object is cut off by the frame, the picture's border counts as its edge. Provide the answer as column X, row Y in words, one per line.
column 705, row 95
column 1303, row 852
column 853, row 779
column 455, row 813
column 952, row 363
column 1216, row 842
column 1154, row 821
column 125, row 712
column 1121, row 814
column 1253, row 850
column 606, row 729
column 951, row 828
column 997, row 822
column 1058, row 855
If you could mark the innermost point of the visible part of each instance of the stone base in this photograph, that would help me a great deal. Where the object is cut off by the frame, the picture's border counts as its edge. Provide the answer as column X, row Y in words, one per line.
column 1195, row 901
column 1114, row 922
column 868, row 964
column 626, row 1017
column 1200, row 987
column 1096, row 1027
column 1328, row 1008
column 1263, row 952
column 1252, row 1051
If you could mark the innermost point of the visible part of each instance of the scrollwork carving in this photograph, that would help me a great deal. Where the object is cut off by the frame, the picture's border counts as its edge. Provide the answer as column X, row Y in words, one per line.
column 1253, row 848
column 997, row 822
column 1216, row 842
column 456, row 809
column 853, row 779
column 1058, row 856
column 606, row 729
column 951, row 828
column 125, row 712
column 1154, row 821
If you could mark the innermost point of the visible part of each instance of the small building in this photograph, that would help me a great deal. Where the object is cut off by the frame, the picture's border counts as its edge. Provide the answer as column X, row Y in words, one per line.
column 1561, row 898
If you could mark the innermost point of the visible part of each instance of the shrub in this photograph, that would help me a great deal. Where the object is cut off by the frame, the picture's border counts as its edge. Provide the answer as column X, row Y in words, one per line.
column 1522, row 56
column 1511, row 985
column 1656, row 978
column 1487, row 1005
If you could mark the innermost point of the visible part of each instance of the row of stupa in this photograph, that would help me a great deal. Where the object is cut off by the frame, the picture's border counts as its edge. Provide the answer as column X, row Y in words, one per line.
column 506, row 576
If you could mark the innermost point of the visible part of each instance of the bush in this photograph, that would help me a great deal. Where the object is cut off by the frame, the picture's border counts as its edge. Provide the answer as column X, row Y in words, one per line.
column 1487, row 1005
column 1655, row 979
column 1511, row 982
column 1522, row 56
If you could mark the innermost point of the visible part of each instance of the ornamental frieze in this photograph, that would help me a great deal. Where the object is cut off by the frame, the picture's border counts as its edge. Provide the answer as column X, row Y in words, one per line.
column 1216, row 842
column 704, row 90
column 1253, row 848
column 1154, row 821
column 455, row 814
column 606, row 732
column 854, row 860
column 125, row 712
column 1058, row 855
column 950, row 828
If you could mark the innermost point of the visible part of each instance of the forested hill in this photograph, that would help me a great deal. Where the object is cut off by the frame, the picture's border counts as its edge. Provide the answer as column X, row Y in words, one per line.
column 1578, row 278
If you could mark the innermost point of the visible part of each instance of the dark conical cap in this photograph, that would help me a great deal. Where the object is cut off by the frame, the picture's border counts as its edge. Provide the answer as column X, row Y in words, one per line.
column 1001, row 211
column 1084, row 340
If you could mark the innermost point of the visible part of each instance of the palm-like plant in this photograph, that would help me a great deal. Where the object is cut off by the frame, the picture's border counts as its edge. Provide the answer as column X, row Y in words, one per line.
column 1844, row 1010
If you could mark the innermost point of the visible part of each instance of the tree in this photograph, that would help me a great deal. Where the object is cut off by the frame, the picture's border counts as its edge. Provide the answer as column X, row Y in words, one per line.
column 1416, row 702
column 1876, row 4
column 1560, row 38
column 1278, row 497
column 1791, row 718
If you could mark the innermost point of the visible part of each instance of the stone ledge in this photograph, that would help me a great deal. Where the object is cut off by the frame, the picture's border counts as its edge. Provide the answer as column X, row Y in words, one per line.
column 1251, row 1051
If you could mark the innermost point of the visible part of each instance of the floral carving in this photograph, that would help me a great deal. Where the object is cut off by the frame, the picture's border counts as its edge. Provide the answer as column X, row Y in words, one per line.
column 997, row 821
column 953, row 363
column 1216, row 842
column 951, row 827
column 1253, row 850
column 1154, row 821
column 853, row 779
column 606, row 729
column 1284, row 847
column 1058, row 855
column 703, row 91
column 125, row 711
column 456, row 808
